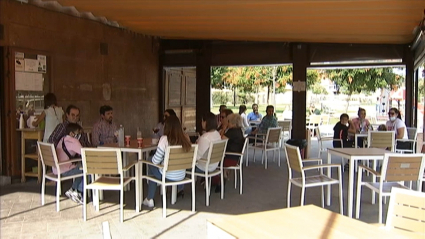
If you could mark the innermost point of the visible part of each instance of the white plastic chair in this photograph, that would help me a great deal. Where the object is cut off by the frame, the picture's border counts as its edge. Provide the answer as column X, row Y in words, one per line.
column 175, row 159
column 215, row 155
column 396, row 168
column 269, row 143
column 296, row 164
column 238, row 167
column 406, row 211
column 286, row 126
column 412, row 134
column 106, row 164
column 49, row 158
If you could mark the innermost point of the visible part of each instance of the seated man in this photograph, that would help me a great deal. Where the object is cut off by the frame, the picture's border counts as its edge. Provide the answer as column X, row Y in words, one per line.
column 269, row 121
column 341, row 132
column 254, row 116
column 69, row 147
column 104, row 129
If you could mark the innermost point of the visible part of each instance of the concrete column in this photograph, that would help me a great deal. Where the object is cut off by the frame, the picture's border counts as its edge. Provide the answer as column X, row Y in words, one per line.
column 203, row 84
column 411, row 100
column 299, row 77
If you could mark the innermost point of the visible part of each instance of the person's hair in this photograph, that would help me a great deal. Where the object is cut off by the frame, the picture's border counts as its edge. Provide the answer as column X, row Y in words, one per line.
column 242, row 108
column 396, row 111
column 49, row 99
column 171, row 112
column 104, row 108
column 70, row 107
column 222, row 107
column 174, row 132
column 360, row 110
column 254, row 105
column 235, row 119
column 210, row 121
column 344, row 115
column 72, row 127
column 382, row 127
column 269, row 106
column 227, row 112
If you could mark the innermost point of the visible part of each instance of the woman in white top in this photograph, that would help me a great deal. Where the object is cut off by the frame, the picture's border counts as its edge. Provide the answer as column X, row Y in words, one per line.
column 209, row 125
column 52, row 114
column 173, row 135
column 245, row 125
column 399, row 127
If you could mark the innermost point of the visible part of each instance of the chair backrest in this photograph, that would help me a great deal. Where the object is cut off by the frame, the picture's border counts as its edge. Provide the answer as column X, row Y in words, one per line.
column 177, row 159
column 101, row 161
column 406, row 211
column 314, row 119
column 216, row 151
column 286, row 125
column 402, row 167
column 412, row 133
column 48, row 154
column 381, row 139
column 293, row 157
column 273, row 135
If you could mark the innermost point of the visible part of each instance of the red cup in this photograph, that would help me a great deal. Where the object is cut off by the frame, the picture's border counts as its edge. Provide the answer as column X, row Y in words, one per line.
column 127, row 140
column 139, row 142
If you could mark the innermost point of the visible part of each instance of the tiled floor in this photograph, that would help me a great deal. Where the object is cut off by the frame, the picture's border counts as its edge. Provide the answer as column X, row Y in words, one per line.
column 22, row 215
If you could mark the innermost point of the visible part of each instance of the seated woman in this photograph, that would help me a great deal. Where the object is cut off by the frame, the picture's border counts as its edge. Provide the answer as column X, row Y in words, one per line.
column 360, row 125
column 245, row 125
column 209, row 125
column 173, row 135
column 223, row 125
column 399, row 127
column 159, row 129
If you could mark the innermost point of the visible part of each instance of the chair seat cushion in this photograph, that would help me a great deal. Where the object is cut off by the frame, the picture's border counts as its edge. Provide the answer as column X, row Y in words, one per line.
column 386, row 187
column 314, row 180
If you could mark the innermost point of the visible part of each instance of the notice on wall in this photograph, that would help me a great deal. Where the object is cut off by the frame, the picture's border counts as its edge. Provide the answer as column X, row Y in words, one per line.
column 31, row 65
column 298, row 86
column 29, row 81
column 41, row 63
column 19, row 61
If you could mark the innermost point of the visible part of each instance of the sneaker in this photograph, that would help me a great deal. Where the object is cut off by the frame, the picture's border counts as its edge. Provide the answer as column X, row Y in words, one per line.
column 76, row 197
column 69, row 193
column 148, row 203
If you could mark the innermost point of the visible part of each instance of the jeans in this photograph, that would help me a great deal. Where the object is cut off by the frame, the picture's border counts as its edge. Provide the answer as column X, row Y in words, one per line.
column 154, row 171
column 78, row 182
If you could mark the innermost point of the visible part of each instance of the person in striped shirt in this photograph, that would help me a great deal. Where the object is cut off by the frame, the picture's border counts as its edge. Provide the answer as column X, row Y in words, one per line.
column 173, row 135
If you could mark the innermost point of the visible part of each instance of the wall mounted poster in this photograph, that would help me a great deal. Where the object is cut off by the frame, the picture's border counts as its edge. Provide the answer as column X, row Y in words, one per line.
column 31, row 65
column 29, row 81
column 19, row 61
column 41, row 63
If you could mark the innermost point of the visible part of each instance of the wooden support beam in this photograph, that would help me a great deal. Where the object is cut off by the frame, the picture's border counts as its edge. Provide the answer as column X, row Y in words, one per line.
column 300, row 64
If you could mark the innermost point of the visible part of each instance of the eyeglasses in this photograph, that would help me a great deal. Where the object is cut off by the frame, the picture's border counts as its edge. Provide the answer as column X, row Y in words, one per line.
column 391, row 113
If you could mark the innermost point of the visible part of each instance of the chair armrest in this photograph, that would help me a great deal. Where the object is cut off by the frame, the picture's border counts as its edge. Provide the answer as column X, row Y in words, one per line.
column 70, row 161
column 151, row 164
column 312, row 160
column 370, row 170
column 130, row 165
column 405, row 140
column 322, row 166
column 234, row 153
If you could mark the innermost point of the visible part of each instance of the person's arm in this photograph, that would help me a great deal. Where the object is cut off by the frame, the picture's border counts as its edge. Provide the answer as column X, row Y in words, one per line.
column 39, row 118
column 95, row 138
column 84, row 140
column 400, row 133
column 351, row 127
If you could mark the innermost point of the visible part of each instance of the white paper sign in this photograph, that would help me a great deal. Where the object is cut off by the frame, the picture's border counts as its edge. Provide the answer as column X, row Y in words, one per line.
column 31, row 65
column 19, row 61
column 298, row 86
column 29, row 81
column 41, row 63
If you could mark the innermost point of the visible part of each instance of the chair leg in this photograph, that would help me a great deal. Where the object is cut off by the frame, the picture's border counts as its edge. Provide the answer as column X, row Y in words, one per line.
column 322, row 197
column 380, row 209
column 247, row 156
column 164, row 201
column 85, row 204
column 207, row 191
column 341, row 204
column 278, row 162
column 193, row 195
column 222, row 185
column 43, row 189
column 302, row 195
column 58, row 191
column 97, row 206
column 265, row 159
column 358, row 192
column 240, row 182
column 121, row 205
column 236, row 179
column 288, row 199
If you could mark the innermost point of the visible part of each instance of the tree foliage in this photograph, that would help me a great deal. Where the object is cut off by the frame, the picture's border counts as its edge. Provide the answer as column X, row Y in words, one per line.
column 352, row 81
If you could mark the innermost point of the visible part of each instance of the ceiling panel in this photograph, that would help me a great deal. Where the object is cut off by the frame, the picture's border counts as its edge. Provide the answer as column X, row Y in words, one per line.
column 339, row 21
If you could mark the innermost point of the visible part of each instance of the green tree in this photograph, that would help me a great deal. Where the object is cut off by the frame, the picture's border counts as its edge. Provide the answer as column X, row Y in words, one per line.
column 352, row 81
